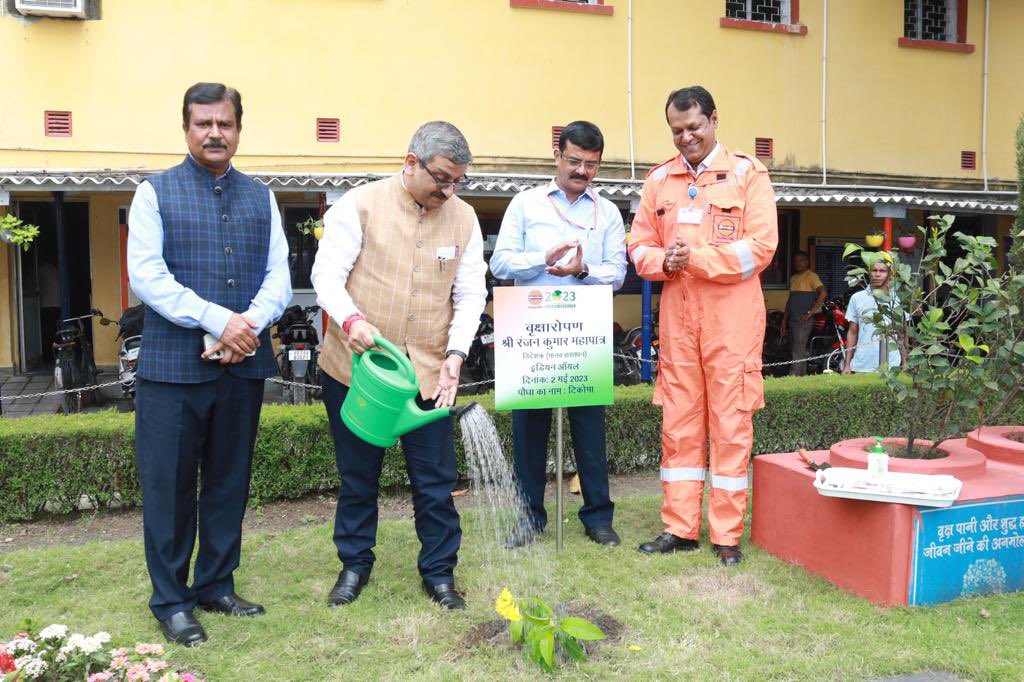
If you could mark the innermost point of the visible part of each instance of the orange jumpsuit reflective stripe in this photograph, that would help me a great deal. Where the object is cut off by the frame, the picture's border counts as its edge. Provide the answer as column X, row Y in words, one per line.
column 712, row 323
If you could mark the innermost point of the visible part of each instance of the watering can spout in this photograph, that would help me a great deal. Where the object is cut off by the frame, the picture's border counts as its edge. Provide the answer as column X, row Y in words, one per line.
column 413, row 417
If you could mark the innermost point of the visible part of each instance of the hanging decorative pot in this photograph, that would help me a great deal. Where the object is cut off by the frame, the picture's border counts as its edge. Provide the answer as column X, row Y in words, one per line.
column 874, row 240
column 907, row 242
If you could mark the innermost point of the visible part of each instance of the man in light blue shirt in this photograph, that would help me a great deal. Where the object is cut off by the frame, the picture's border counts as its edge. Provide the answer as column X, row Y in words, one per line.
column 862, row 339
column 563, row 234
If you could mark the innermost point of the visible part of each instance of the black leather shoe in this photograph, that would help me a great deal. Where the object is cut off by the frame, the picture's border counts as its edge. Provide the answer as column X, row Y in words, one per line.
column 183, row 628
column 445, row 595
column 346, row 590
column 666, row 543
column 604, row 535
column 729, row 555
column 521, row 535
column 232, row 605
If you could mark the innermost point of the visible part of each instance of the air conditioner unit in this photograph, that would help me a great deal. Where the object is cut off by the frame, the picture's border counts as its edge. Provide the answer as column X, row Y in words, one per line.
column 69, row 9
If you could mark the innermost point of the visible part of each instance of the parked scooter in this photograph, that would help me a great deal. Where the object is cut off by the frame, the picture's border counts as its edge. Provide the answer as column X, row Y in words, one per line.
column 828, row 335
column 130, row 334
column 297, row 360
column 479, row 364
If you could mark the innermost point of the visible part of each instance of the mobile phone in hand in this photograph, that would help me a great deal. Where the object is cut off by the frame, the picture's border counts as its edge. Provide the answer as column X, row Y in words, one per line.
column 209, row 340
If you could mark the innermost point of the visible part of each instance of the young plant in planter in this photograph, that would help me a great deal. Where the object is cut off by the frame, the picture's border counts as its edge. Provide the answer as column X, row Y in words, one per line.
column 964, row 341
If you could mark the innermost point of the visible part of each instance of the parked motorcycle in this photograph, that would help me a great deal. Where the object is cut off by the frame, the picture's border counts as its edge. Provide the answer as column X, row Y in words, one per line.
column 479, row 363
column 297, row 359
column 828, row 336
column 625, row 363
column 130, row 334
column 776, row 345
column 634, row 342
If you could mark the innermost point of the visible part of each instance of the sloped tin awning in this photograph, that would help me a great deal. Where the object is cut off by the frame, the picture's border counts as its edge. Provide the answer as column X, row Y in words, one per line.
column 507, row 185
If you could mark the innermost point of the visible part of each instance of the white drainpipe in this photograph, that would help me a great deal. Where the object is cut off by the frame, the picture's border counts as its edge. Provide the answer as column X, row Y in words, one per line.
column 824, row 92
column 984, row 106
column 629, row 87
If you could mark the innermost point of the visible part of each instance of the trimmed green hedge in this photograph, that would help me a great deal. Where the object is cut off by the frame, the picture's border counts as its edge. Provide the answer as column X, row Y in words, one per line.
column 54, row 461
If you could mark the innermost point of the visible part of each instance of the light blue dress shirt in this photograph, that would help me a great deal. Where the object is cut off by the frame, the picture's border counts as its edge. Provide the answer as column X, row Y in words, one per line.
column 865, row 357
column 155, row 286
column 532, row 225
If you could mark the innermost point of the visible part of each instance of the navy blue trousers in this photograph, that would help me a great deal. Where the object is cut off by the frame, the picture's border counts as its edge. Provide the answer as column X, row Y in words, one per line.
column 530, row 432
column 187, row 434
column 430, row 462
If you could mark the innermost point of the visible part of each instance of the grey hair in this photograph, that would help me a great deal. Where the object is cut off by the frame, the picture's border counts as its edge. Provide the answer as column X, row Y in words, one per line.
column 440, row 138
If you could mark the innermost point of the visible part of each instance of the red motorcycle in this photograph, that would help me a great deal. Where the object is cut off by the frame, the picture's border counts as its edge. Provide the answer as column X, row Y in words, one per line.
column 828, row 339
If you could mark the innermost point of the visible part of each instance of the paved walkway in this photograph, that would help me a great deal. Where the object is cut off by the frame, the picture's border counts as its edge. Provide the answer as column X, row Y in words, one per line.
column 109, row 397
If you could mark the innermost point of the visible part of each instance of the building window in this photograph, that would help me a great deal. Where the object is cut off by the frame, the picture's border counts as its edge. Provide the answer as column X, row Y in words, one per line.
column 938, row 24
column 778, row 16
column 772, row 11
column 930, row 20
column 776, row 275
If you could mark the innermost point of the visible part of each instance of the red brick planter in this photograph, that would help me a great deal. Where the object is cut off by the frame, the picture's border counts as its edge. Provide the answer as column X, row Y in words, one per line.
column 992, row 442
column 960, row 461
column 896, row 553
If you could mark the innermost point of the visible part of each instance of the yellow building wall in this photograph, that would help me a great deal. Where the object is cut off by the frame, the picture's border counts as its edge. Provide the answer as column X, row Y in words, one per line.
column 105, row 248
column 505, row 76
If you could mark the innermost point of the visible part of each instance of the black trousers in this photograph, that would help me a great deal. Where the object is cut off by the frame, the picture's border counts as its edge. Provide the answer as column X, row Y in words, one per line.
column 187, row 434
column 430, row 461
column 530, row 431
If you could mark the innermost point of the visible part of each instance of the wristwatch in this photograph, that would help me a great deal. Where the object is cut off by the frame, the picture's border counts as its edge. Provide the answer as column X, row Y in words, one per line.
column 452, row 351
column 583, row 274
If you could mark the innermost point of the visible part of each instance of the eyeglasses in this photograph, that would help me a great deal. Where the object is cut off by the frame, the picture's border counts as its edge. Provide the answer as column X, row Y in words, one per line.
column 445, row 184
column 573, row 162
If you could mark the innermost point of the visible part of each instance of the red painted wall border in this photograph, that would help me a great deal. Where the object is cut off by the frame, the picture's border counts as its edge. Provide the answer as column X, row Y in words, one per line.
column 599, row 8
column 792, row 29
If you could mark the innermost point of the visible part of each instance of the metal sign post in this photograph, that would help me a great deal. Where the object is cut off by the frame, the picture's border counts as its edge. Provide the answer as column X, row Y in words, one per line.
column 558, row 479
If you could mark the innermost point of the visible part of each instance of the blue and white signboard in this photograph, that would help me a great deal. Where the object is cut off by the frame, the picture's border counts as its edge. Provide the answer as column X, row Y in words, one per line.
column 967, row 550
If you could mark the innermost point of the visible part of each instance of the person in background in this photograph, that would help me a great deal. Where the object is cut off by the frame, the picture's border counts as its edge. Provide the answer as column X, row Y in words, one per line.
column 862, row 338
column 806, row 296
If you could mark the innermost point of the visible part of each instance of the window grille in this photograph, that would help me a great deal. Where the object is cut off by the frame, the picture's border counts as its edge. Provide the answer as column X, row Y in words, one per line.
column 930, row 20
column 772, row 11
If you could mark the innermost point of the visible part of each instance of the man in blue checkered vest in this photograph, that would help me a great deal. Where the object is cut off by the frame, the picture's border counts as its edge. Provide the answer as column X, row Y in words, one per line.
column 208, row 257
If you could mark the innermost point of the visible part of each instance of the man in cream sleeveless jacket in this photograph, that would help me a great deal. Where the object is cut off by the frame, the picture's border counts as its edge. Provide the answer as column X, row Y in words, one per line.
column 403, row 258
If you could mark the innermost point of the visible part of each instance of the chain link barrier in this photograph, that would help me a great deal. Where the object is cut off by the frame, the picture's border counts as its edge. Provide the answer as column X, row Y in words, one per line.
column 317, row 387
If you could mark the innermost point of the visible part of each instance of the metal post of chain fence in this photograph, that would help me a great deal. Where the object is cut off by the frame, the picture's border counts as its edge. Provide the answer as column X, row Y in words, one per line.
column 558, row 479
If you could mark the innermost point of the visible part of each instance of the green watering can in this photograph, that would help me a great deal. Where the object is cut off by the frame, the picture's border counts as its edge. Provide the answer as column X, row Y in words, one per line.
column 381, row 402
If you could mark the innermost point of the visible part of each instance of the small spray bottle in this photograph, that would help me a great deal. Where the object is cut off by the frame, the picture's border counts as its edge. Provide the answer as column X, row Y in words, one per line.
column 878, row 460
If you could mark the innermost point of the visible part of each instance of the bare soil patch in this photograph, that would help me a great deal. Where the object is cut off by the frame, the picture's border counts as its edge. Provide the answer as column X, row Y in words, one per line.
column 714, row 586
column 126, row 524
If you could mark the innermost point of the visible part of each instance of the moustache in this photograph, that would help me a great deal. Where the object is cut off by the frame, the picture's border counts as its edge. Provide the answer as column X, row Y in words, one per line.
column 439, row 195
column 214, row 145
column 577, row 176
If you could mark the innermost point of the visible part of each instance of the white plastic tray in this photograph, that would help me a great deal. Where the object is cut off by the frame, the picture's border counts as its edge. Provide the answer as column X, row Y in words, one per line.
column 928, row 490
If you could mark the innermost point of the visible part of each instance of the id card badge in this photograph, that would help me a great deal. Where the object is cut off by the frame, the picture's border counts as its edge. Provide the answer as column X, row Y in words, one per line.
column 689, row 216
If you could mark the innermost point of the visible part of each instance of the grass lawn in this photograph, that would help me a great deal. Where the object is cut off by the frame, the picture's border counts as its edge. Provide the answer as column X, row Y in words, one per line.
column 692, row 618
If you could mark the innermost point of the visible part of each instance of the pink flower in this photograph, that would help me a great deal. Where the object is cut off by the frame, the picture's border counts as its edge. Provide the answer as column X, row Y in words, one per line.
column 101, row 677
column 189, row 677
column 119, row 662
column 137, row 672
column 155, row 666
column 144, row 649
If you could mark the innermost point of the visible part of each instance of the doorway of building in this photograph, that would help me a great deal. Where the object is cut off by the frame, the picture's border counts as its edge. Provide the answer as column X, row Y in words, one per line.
column 39, row 279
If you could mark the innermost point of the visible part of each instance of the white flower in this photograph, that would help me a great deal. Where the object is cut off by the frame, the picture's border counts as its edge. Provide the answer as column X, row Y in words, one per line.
column 20, row 643
column 30, row 665
column 34, row 668
column 55, row 631
column 102, row 637
column 76, row 642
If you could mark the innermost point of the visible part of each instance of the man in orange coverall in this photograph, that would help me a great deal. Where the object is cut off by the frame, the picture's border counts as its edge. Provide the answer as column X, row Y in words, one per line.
column 706, row 227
